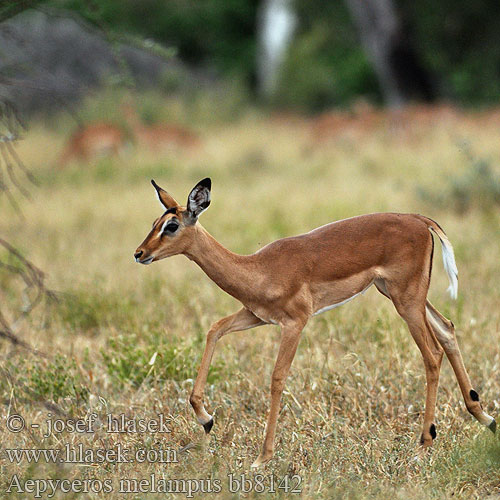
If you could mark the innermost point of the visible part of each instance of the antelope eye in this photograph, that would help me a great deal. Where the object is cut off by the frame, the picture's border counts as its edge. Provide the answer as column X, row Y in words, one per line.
column 171, row 227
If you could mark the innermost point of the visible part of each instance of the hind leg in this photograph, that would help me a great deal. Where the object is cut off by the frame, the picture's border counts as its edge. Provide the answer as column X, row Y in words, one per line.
column 445, row 333
column 410, row 304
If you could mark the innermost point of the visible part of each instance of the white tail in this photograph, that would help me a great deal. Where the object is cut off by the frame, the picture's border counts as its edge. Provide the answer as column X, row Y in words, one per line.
column 449, row 263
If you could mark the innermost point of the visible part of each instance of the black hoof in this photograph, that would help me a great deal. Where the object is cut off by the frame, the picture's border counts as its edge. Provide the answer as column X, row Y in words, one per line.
column 208, row 426
column 432, row 432
column 493, row 427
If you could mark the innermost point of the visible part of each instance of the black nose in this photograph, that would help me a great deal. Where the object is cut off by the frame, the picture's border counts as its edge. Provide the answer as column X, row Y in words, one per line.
column 138, row 254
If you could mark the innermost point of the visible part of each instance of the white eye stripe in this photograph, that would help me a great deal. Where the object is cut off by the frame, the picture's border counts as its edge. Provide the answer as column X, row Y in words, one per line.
column 164, row 225
column 160, row 232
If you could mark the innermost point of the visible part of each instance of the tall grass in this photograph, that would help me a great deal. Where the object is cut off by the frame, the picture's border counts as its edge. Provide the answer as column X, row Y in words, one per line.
column 128, row 338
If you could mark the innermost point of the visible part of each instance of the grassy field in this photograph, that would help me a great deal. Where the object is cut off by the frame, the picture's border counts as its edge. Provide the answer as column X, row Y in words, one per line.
column 125, row 338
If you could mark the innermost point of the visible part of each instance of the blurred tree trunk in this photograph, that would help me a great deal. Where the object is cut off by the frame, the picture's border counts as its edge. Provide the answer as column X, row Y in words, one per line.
column 275, row 25
column 387, row 43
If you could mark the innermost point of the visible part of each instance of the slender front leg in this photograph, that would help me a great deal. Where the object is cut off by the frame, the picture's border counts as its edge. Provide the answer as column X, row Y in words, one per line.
column 290, row 335
column 241, row 320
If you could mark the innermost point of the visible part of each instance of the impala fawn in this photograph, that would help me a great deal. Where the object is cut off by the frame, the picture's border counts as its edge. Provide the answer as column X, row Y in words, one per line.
column 292, row 279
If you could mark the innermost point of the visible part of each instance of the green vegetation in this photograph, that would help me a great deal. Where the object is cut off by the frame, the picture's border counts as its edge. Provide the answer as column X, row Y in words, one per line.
column 326, row 65
column 41, row 380
column 476, row 187
column 129, row 361
column 456, row 41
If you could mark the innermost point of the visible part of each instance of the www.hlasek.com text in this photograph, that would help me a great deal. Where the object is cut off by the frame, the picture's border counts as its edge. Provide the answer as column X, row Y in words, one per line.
column 78, row 454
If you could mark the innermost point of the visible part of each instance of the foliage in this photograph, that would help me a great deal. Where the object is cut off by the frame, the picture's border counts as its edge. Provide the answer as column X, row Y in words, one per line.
column 460, row 43
column 85, row 311
column 129, row 361
column 325, row 68
column 215, row 33
column 52, row 380
column 326, row 65
column 10, row 8
column 478, row 186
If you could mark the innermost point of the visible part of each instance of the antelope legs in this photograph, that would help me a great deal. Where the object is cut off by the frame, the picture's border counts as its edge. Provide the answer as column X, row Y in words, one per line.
column 241, row 320
column 433, row 334
column 445, row 333
column 409, row 305
column 432, row 354
column 290, row 335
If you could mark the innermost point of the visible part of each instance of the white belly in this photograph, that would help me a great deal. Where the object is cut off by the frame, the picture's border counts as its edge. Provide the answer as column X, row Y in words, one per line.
column 338, row 304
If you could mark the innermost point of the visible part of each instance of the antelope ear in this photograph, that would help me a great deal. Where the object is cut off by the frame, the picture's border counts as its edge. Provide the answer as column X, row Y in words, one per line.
column 199, row 199
column 165, row 199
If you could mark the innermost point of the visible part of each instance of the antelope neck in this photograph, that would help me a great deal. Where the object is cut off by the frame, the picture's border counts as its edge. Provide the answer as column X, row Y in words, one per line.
column 228, row 270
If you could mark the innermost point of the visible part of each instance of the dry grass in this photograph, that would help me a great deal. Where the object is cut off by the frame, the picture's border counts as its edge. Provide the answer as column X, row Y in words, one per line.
column 353, row 405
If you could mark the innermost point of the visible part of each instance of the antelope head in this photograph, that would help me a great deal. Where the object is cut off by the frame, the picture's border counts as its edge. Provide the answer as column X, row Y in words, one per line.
column 173, row 231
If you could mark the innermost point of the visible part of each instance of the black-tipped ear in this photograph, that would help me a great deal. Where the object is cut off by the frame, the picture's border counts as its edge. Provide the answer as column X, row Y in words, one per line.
column 165, row 199
column 199, row 199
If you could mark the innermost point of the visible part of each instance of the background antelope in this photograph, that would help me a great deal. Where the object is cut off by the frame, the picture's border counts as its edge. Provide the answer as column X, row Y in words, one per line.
column 292, row 279
column 92, row 141
column 160, row 136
